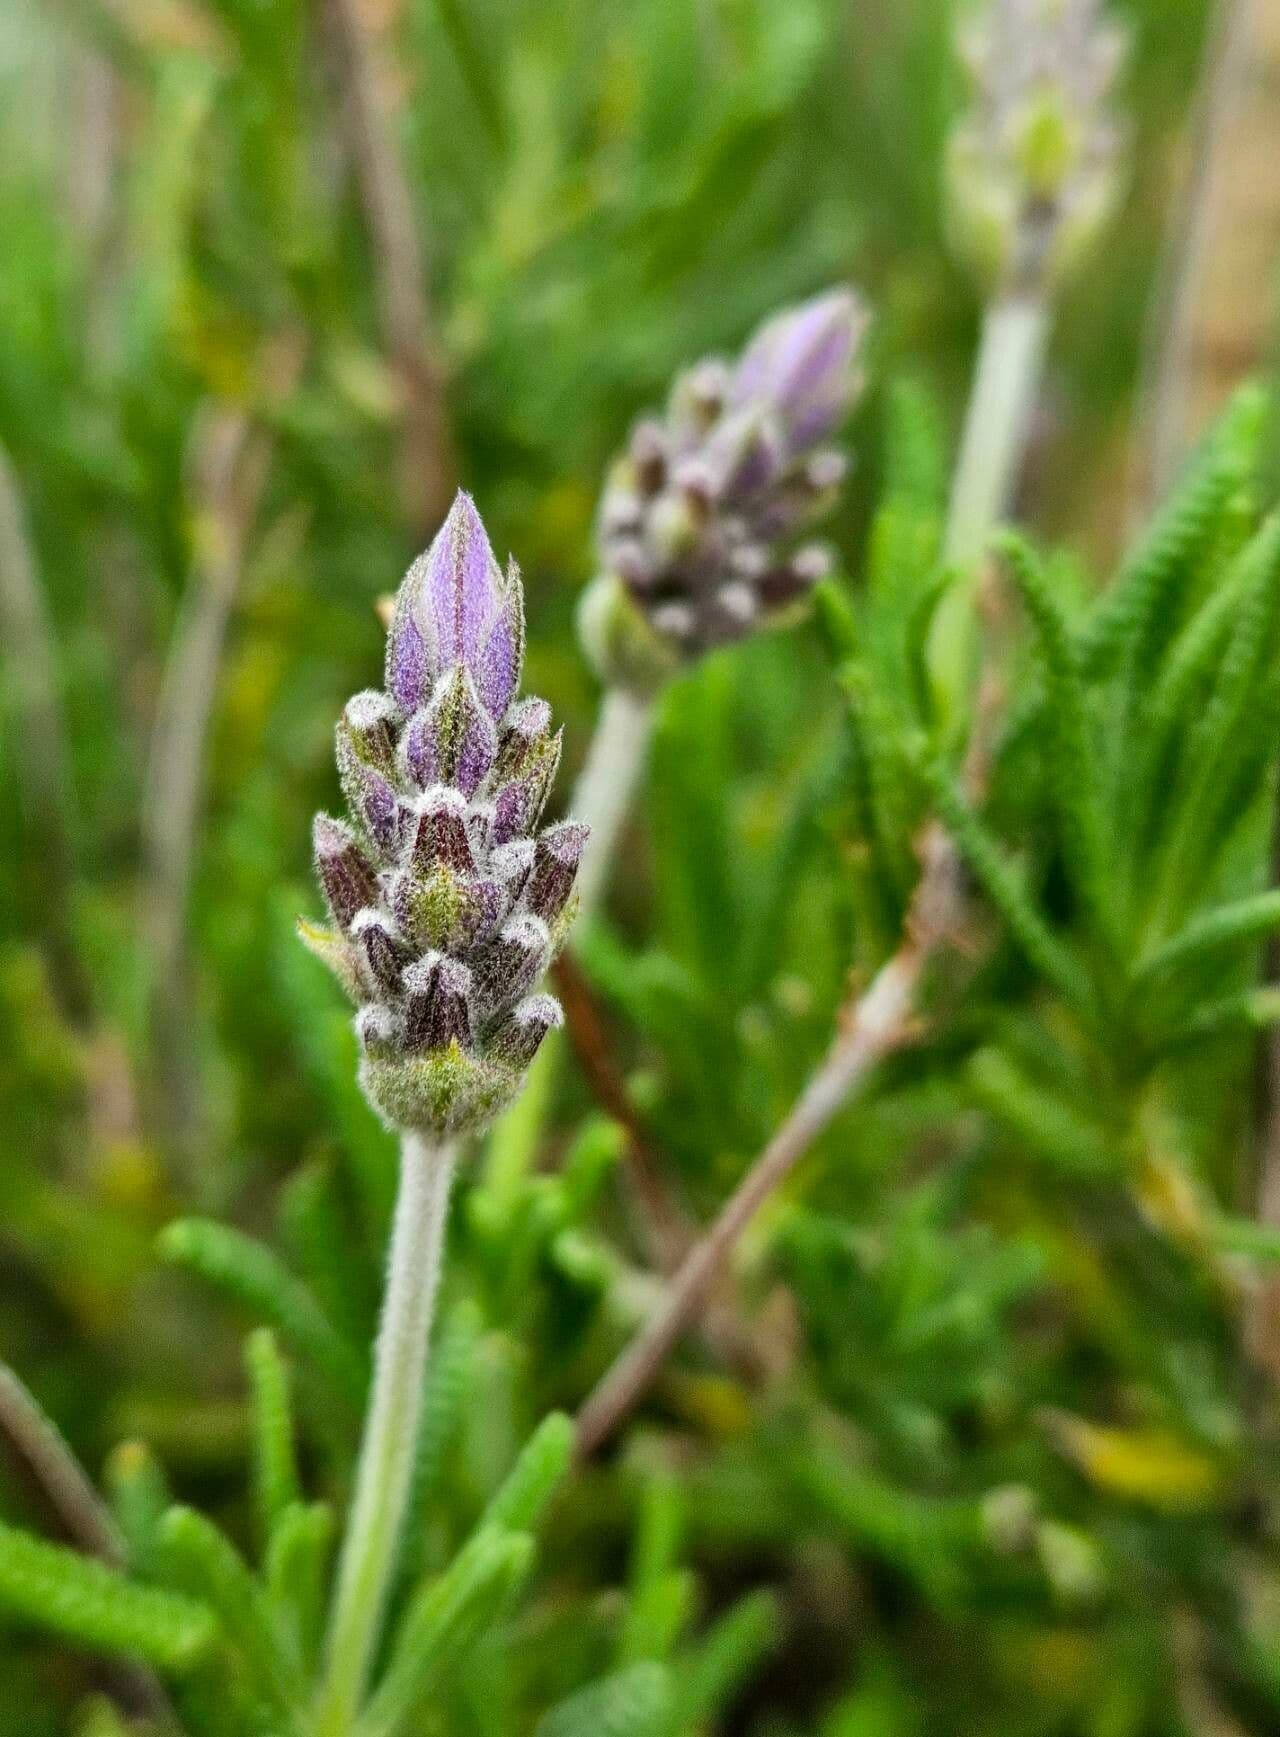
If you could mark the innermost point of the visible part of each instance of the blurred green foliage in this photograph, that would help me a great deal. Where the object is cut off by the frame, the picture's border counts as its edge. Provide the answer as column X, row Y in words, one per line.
column 992, row 1457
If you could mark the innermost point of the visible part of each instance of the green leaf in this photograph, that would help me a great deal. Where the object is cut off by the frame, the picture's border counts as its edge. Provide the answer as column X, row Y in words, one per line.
column 1249, row 1010
column 632, row 1703
column 295, row 1572
column 660, row 1598
column 139, row 1495
column 275, row 1471
column 540, row 1467
column 1004, row 887
column 1242, row 1236
column 97, row 1607
column 259, row 1280
column 204, row 1561
column 726, row 1655
column 1049, row 1128
column 880, row 742
column 835, row 621
column 1075, row 770
column 446, row 1618
column 450, row 1374
column 1241, row 923
column 1222, row 734
column 316, row 1225
column 1141, row 594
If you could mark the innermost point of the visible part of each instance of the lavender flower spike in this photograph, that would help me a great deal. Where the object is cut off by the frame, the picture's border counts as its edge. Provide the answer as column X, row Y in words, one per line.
column 446, row 901
column 1033, row 167
column 700, row 515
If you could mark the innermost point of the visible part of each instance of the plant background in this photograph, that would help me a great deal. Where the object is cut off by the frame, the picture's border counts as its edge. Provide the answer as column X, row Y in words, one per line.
column 603, row 191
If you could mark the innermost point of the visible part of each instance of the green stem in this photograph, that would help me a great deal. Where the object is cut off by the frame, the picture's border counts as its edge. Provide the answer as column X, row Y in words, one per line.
column 1006, row 379
column 385, row 1466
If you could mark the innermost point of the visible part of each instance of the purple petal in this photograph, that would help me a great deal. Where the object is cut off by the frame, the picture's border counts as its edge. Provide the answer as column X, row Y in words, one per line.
column 497, row 664
column 462, row 586
column 441, row 835
column 437, row 1010
column 518, row 1040
column 559, row 851
column 345, row 873
column 507, row 967
column 384, row 953
column 799, row 361
column 408, row 666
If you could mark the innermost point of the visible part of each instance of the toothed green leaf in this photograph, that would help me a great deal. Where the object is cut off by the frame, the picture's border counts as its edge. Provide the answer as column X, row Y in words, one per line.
column 256, row 1278
column 97, row 1607
column 275, row 1471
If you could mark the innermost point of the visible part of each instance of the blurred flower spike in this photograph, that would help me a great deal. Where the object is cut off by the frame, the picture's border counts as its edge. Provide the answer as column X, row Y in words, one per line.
column 700, row 515
column 446, row 901
column 1034, row 166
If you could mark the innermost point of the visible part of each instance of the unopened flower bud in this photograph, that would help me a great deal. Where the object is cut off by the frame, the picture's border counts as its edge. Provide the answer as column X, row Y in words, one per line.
column 704, row 506
column 1033, row 167
column 445, row 901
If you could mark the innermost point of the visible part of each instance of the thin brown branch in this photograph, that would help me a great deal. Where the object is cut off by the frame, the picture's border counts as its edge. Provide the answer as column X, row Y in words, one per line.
column 875, row 1025
column 668, row 1232
column 81, row 1513
column 65, row 1485
column 399, row 257
column 879, row 1022
column 37, row 742
column 671, row 1231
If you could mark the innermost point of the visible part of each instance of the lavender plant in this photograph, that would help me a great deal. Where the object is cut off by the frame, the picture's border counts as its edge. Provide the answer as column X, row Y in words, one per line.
column 700, row 525
column 447, row 902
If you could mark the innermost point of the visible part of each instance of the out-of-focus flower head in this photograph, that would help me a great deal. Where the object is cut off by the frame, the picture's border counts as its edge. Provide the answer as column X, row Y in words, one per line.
column 1033, row 168
column 446, row 901
column 700, row 516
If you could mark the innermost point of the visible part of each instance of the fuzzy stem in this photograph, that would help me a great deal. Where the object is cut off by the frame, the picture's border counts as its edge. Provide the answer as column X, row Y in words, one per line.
column 83, row 1515
column 384, row 1469
column 1003, row 393
column 603, row 793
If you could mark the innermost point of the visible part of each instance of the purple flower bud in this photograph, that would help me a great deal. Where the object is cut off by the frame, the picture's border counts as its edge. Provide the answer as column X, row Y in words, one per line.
column 457, row 608
column 385, row 955
column 527, row 727
column 440, row 835
column 345, row 873
column 709, row 498
column 454, row 741
column 508, row 965
column 519, row 1040
column 519, row 804
column 556, row 858
column 441, row 895
column 370, row 721
column 437, row 1006
column 799, row 363
column 512, row 864
column 370, row 796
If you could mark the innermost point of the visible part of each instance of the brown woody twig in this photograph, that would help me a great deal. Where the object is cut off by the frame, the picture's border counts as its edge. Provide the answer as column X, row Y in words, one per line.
column 399, row 258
